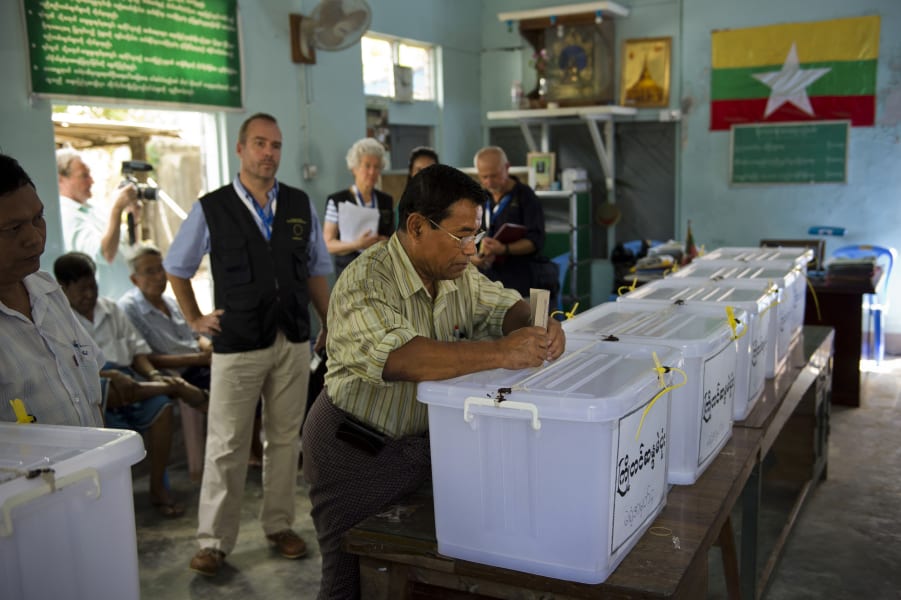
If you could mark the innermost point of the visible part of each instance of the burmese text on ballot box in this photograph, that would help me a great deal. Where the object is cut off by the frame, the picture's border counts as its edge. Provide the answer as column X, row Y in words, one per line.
column 67, row 523
column 757, row 298
column 701, row 417
column 557, row 470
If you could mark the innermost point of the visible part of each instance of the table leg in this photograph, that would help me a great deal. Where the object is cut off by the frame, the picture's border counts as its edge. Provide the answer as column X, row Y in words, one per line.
column 383, row 580
column 726, row 542
column 750, row 516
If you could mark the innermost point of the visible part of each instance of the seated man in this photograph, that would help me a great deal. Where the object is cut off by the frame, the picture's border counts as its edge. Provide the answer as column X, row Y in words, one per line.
column 174, row 345
column 48, row 361
column 395, row 318
column 126, row 352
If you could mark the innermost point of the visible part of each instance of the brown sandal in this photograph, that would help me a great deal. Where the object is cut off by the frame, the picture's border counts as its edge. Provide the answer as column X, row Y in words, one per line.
column 170, row 510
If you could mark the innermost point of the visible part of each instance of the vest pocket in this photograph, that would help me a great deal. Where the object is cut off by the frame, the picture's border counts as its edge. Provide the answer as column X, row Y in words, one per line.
column 242, row 317
column 236, row 262
column 301, row 272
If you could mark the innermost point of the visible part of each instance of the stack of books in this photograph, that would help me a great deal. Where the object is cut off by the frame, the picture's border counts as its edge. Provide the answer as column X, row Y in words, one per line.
column 653, row 266
column 851, row 269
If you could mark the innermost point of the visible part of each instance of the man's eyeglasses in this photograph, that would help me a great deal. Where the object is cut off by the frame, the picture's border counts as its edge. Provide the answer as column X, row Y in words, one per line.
column 463, row 241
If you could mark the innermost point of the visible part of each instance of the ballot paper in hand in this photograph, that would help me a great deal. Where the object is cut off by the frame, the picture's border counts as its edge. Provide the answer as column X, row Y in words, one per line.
column 354, row 220
column 539, row 301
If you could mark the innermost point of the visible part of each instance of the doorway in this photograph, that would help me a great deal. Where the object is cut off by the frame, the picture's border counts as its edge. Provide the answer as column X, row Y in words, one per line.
column 181, row 147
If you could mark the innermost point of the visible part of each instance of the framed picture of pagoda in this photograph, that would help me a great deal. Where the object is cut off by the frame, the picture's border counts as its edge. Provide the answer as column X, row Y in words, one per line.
column 645, row 73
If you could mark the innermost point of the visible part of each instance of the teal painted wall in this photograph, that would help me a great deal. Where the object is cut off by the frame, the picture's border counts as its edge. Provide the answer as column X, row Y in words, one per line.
column 321, row 108
column 722, row 215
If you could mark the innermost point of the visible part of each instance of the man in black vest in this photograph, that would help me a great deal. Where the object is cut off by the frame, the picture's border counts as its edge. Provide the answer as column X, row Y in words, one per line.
column 268, row 262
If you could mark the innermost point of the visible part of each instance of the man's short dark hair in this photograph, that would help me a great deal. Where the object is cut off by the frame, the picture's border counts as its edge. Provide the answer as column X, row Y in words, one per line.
column 242, row 132
column 12, row 175
column 72, row 266
column 432, row 192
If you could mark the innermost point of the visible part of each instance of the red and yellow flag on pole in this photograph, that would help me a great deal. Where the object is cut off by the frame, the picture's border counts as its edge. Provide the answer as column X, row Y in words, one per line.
column 825, row 70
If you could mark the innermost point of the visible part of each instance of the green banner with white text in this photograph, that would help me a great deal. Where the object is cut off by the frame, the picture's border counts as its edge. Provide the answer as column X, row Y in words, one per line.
column 184, row 52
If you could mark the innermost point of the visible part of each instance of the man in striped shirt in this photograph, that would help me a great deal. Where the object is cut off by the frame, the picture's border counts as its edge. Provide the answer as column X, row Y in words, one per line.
column 407, row 310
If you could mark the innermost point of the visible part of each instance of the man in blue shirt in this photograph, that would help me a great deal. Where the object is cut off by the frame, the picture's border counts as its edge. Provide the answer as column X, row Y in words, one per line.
column 269, row 263
column 175, row 347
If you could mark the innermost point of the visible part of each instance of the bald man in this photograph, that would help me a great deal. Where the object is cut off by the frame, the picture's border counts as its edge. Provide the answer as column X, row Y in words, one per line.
column 508, row 201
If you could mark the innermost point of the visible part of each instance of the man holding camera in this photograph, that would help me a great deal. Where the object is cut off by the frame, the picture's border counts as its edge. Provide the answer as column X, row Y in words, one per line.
column 86, row 230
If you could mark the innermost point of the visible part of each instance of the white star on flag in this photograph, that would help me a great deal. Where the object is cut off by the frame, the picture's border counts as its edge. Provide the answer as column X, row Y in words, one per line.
column 790, row 84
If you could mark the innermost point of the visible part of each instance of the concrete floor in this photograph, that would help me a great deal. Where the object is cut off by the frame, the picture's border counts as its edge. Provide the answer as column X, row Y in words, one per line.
column 846, row 544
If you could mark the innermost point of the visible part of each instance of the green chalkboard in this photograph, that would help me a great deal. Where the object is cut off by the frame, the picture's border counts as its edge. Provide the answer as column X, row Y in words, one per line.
column 810, row 152
column 183, row 52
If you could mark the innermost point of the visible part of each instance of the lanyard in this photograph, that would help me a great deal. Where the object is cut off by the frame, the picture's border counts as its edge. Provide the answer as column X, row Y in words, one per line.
column 266, row 217
column 265, row 214
column 492, row 213
column 359, row 196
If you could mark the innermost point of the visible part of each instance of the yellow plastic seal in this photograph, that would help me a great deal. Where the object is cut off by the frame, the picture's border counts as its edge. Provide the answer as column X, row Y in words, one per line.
column 22, row 415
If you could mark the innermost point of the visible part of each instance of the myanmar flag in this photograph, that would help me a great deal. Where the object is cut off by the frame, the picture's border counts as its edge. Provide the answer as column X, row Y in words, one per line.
column 825, row 70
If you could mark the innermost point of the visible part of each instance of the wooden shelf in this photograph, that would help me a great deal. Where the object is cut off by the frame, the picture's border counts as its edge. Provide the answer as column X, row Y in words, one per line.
column 590, row 115
column 582, row 112
column 607, row 9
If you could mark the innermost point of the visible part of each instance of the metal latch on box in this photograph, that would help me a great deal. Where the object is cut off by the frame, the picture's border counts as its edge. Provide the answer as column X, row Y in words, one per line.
column 500, row 401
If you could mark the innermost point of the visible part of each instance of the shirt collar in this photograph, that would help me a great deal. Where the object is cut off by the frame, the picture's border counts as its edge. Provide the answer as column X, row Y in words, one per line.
column 406, row 277
column 81, row 206
column 37, row 285
column 271, row 195
column 101, row 311
column 40, row 283
column 141, row 301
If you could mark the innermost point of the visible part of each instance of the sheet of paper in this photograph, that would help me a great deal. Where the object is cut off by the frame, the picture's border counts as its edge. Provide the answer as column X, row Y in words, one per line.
column 539, row 301
column 354, row 220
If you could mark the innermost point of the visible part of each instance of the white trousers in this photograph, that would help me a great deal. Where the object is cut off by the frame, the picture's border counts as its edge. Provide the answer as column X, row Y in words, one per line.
column 279, row 374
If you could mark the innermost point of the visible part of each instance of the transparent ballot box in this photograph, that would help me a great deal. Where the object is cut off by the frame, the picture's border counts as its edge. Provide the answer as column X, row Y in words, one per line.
column 756, row 357
column 558, row 470
column 701, row 418
column 68, row 525
column 788, row 276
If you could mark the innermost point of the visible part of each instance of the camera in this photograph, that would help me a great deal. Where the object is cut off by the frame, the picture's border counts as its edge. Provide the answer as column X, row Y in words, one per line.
column 129, row 168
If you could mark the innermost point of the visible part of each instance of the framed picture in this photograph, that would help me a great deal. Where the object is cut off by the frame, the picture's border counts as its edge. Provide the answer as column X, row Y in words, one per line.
column 580, row 64
column 403, row 84
column 574, row 59
column 645, row 73
column 541, row 169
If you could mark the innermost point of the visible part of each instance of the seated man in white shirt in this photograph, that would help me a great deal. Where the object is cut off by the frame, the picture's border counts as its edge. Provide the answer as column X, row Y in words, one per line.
column 174, row 345
column 48, row 360
column 126, row 352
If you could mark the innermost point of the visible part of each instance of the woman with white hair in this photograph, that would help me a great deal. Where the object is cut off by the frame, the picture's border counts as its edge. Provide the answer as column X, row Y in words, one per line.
column 365, row 159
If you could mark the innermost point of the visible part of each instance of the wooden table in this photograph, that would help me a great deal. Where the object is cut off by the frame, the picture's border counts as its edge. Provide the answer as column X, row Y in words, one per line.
column 792, row 415
column 399, row 557
column 840, row 305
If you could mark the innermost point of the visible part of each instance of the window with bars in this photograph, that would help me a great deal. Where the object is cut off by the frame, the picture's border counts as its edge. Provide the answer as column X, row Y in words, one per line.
column 381, row 53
